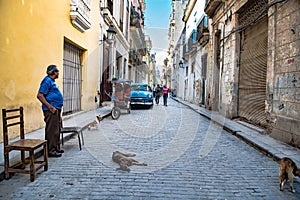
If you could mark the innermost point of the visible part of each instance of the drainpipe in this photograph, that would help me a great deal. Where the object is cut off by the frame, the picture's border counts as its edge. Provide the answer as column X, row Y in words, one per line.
column 100, row 68
column 222, row 67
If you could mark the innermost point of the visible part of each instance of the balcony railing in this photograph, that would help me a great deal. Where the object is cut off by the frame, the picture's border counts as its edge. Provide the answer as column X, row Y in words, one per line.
column 192, row 42
column 80, row 14
column 133, row 57
column 202, row 30
column 202, row 27
column 135, row 18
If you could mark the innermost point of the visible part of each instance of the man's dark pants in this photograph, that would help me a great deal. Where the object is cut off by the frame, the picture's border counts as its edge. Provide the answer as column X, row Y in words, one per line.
column 52, row 129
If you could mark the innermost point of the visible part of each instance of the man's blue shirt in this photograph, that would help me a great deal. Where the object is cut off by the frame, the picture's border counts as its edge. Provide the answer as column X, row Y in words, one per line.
column 52, row 93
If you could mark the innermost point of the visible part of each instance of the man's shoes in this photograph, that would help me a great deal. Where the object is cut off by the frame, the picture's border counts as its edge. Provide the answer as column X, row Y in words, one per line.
column 60, row 151
column 54, row 154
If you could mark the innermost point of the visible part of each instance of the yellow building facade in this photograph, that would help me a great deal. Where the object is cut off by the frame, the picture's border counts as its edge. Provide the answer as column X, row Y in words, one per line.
column 37, row 33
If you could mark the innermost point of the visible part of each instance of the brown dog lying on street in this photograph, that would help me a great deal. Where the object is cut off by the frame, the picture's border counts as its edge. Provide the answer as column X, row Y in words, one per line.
column 124, row 162
column 287, row 170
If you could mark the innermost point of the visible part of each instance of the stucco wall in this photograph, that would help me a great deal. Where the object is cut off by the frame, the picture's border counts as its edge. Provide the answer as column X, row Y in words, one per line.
column 32, row 37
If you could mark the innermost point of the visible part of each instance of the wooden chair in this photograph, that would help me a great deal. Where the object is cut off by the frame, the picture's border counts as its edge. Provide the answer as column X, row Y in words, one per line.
column 14, row 117
column 75, row 129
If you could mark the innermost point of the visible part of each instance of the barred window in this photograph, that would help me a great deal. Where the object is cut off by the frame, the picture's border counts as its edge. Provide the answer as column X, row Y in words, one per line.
column 72, row 79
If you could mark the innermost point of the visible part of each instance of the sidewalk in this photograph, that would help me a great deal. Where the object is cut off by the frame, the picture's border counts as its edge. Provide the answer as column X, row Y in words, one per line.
column 250, row 134
column 81, row 119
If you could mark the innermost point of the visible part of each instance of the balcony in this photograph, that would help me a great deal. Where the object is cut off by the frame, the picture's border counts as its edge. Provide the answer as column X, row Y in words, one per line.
column 80, row 14
column 134, row 17
column 203, row 31
column 133, row 57
column 172, row 22
column 193, row 38
column 191, row 43
column 136, row 32
column 211, row 6
column 138, row 38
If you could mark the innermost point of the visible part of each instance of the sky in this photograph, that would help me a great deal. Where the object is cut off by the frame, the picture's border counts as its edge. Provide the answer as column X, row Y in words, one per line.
column 157, row 16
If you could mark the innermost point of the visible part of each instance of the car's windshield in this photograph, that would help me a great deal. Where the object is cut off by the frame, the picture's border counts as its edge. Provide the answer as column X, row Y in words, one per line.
column 140, row 88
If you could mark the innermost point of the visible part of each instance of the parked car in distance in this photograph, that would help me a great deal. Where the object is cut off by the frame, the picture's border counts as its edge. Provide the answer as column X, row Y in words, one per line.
column 141, row 95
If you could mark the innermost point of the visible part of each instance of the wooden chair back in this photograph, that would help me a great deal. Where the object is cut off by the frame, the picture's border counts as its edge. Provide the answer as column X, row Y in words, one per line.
column 11, row 118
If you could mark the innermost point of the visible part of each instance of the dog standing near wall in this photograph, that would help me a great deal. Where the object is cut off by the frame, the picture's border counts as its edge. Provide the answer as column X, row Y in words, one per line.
column 287, row 170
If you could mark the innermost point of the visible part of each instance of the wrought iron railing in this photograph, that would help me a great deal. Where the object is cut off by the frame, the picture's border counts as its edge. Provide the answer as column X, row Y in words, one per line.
column 202, row 27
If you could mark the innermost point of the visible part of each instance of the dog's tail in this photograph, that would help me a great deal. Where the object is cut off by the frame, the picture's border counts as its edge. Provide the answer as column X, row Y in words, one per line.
column 296, row 171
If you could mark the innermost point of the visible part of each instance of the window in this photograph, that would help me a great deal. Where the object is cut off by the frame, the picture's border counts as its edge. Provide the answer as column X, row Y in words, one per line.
column 121, row 14
column 72, row 79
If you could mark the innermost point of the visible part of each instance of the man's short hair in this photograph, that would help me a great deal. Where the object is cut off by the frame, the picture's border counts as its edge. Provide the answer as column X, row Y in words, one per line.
column 51, row 69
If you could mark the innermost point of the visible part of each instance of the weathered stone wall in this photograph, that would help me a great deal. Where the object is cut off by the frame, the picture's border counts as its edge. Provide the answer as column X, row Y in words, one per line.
column 283, row 67
column 283, row 78
column 225, row 20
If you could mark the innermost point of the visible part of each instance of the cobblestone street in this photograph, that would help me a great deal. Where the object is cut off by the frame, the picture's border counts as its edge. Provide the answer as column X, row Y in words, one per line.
column 188, row 157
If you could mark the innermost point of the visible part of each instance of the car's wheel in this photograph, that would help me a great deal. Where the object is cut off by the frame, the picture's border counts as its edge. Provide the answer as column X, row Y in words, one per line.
column 115, row 113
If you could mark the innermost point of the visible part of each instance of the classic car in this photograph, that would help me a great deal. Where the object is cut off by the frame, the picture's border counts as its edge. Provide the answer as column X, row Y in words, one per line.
column 141, row 95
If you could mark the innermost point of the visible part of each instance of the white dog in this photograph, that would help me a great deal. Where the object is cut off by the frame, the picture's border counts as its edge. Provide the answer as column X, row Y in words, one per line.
column 95, row 124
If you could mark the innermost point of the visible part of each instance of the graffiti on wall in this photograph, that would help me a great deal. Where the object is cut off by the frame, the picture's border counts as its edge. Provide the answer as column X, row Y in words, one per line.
column 287, row 90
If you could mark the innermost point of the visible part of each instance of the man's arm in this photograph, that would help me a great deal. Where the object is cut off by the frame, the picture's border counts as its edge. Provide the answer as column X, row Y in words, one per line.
column 43, row 100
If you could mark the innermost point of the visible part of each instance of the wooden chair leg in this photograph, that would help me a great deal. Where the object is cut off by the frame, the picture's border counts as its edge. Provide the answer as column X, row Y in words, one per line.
column 6, row 164
column 32, row 168
column 23, row 160
column 45, row 157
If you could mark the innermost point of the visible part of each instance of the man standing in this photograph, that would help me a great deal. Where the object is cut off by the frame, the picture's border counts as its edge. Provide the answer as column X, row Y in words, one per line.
column 52, row 102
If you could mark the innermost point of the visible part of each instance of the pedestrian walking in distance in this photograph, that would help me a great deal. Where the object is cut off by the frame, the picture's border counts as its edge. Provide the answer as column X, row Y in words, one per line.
column 165, row 91
column 52, row 101
column 153, row 90
column 157, row 94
